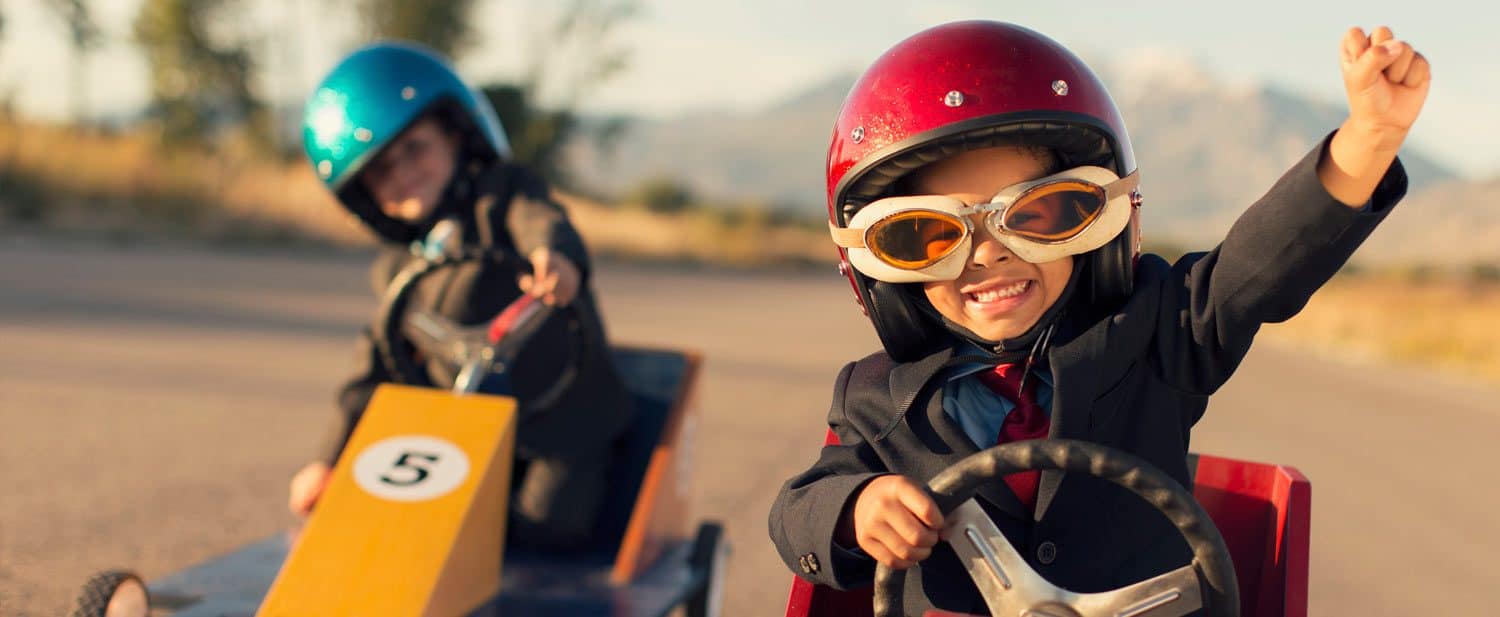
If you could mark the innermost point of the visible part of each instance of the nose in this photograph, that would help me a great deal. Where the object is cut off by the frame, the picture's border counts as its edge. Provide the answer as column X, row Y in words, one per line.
column 988, row 249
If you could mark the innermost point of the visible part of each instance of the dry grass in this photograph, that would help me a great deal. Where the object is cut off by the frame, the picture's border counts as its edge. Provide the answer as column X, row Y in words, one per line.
column 698, row 236
column 65, row 179
column 1444, row 324
column 68, row 179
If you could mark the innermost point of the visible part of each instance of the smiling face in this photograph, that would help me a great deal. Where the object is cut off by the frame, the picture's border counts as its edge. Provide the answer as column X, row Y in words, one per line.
column 407, row 178
column 998, row 296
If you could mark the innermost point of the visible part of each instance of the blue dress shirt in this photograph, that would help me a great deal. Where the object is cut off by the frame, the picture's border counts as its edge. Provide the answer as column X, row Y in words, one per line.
column 980, row 411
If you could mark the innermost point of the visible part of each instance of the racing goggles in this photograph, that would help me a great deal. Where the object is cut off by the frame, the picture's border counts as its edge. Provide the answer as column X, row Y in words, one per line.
column 928, row 237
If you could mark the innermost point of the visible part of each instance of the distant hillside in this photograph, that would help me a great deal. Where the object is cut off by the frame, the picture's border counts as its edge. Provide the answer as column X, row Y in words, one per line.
column 774, row 156
column 1454, row 222
column 1206, row 150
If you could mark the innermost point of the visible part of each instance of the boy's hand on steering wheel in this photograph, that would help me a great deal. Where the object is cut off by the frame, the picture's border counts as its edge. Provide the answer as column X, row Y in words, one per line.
column 895, row 521
column 554, row 278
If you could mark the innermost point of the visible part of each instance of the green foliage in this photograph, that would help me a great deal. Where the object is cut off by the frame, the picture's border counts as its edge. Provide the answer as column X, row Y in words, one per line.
column 663, row 194
column 83, row 32
column 1352, row 270
column 1418, row 273
column 1484, row 273
column 578, row 53
column 443, row 25
column 537, row 135
column 568, row 60
column 200, row 78
column 569, row 57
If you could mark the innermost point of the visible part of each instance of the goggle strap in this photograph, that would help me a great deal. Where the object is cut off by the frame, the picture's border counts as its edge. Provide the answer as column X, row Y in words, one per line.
column 1123, row 186
column 849, row 238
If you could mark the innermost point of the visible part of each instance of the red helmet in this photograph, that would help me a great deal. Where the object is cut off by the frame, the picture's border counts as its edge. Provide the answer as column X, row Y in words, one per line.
column 964, row 86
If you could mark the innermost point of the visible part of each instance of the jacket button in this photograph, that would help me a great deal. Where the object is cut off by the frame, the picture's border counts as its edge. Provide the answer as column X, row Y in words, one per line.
column 802, row 561
column 1046, row 552
column 812, row 563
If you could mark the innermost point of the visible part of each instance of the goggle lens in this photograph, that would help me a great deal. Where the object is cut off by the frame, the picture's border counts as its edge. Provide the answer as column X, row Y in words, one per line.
column 1055, row 212
column 915, row 239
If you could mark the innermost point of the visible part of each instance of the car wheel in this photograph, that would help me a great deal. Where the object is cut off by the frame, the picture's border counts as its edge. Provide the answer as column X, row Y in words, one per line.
column 113, row 593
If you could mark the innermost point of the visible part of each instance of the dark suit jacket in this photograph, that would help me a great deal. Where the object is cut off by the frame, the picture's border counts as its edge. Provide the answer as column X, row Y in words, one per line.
column 1136, row 380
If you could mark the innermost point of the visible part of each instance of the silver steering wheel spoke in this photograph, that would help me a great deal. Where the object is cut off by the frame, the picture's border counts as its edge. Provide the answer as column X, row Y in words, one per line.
column 1010, row 586
column 1172, row 594
column 1006, row 582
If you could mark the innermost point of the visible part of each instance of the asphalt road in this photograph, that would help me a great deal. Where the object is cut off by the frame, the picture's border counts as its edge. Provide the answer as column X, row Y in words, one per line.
column 154, row 402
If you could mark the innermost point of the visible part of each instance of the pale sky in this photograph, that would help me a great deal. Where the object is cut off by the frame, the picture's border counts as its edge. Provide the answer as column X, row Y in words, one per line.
column 696, row 54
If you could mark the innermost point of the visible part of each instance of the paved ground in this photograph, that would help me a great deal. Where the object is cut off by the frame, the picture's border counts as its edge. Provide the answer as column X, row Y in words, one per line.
column 153, row 403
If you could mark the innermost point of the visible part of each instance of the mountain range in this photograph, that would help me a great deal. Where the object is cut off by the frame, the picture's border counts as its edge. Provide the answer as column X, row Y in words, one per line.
column 1206, row 150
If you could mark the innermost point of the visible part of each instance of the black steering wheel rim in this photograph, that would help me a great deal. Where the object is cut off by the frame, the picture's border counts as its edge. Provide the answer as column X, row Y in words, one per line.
column 958, row 483
column 396, row 352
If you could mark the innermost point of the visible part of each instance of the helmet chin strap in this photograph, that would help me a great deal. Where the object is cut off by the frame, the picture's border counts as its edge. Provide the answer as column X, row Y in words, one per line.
column 1029, row 345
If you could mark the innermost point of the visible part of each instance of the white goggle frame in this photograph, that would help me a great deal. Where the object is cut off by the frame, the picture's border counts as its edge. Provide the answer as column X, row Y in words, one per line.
column 1112, row 220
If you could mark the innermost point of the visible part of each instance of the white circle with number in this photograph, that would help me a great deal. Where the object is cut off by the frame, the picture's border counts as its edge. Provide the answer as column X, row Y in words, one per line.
column 411, row 468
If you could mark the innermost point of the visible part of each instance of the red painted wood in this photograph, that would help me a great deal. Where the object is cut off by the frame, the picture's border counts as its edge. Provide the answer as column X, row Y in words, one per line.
column 1264, row 512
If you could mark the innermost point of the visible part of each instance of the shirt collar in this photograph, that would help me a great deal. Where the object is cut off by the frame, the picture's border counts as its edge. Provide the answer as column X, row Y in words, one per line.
column 965, row 369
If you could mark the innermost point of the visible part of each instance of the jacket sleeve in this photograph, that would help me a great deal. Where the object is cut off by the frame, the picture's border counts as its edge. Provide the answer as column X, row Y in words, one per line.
column 353, row 397
column 809, row 505
column 535, row 219
column 1280, row 251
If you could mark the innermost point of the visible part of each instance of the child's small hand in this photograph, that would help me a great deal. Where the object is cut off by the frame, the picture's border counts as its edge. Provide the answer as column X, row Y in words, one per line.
column 554, row 278
column 1386, row 82
column 895, row 521
column 307, row 487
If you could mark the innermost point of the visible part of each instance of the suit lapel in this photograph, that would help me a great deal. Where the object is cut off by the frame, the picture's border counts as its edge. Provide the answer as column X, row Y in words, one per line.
column 907, row 383
column 1076, row 372
column 959, row 448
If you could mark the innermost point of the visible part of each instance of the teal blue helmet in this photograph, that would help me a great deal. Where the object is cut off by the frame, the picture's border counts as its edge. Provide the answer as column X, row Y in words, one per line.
column 373, row 95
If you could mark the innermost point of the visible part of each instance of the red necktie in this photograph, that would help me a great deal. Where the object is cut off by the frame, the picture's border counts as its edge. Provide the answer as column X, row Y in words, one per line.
column 1026, row 421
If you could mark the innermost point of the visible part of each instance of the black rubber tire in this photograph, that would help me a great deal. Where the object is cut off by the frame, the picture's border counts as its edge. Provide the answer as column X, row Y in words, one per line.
column 708, row 548
column 93, row 599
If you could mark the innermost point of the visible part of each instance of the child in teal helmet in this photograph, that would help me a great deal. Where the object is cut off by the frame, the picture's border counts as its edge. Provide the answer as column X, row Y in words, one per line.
column 405, row 145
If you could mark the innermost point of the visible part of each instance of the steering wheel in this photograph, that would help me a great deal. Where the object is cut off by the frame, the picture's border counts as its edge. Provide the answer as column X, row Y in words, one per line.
column 479, row 350
column 1010, row 587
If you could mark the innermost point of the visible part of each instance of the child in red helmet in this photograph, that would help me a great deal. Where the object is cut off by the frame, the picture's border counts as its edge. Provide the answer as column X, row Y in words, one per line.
column 982, row 190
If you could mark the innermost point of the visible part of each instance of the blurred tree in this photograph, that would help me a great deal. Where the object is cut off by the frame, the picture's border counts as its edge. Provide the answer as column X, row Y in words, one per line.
column 663, row 194
column 443, row 25
column 567, row 60
column 83, row 37
column 1484, row 273
column 200, row 72
column 538, row 136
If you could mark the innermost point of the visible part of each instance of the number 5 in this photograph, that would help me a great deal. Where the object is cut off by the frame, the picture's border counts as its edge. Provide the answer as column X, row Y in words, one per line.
column 404, row 462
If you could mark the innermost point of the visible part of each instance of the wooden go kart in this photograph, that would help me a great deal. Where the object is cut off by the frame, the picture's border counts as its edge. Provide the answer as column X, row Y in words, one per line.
column 1256, row 568
column 413, row 519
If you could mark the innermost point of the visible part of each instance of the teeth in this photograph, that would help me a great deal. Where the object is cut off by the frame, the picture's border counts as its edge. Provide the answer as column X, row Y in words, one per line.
column 1001, row 293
